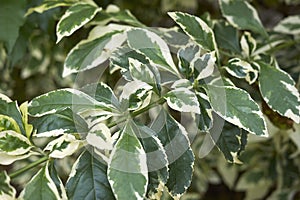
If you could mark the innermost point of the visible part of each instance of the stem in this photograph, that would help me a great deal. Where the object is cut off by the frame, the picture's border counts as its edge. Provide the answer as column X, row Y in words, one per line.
column 138, row 112
column 32, row 165
column 151, row 105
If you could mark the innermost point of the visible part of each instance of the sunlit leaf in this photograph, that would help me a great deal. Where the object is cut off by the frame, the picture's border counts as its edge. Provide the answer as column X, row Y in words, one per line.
column 242, row 15
column 196, row 28
column 183, row 100
column 128, row 165
column 279, row 91
column 237, row 107
column 74, row 18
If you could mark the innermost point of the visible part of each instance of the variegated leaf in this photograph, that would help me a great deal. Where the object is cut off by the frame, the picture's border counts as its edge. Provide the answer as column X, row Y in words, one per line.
column 92, row 52
column 196, row 28
column 49, row 4
column 242, row 15
column 248, row 44
column 180, row 156
column 88, row 179
column 237, row 107
column 185, row 56
column 24, row 111
column 113, row 14
column 289, row 25
column 102, row 93
column 204, row 119
column 64, row 121
column 174, row 37
column 120, row 60
column 5, row 98
column 157, row 161
column 13, row 143
column 183, row 100
column 231, row 142
column 7, row 159
column 61, row 99
column 96, row 116
column 279, row 91
column 63, row 146
column 141, row 72
column 242, row 69
column 128, row 165
column 182, row 83
column 74, row 18
column 153, row 47
column 135, row 95
column 100, row 137
column 204, row 65
column 57, row 181
column 8, row 123
column 40, row 187
column 7, row 192
column 12, row 110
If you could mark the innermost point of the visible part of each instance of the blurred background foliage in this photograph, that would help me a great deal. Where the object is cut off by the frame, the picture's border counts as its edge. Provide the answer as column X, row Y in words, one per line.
column 31, row 64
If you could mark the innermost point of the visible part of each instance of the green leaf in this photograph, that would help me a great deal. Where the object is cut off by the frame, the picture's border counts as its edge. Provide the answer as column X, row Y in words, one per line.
column 49, row 4
column 58, row 100
column 180, row 156
column 11, row 109
column 289, row 25
column 157, row 162
column 40, row 187
column 153, row 47
column 279, row 91
column 127, row 168
column 102, row 93
column 7, row 192
column 204, row 119
column 242, row 69
column 227, row 37
column 242, row 15
column 196, row 28
column 113, row 13
column 74, row 18
column 231, row 142
column 63, row 146
column 237, row 107
column 183, row 100
column 11, row 19
column 88, row 179
column 65, row 121
column 92, row 52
